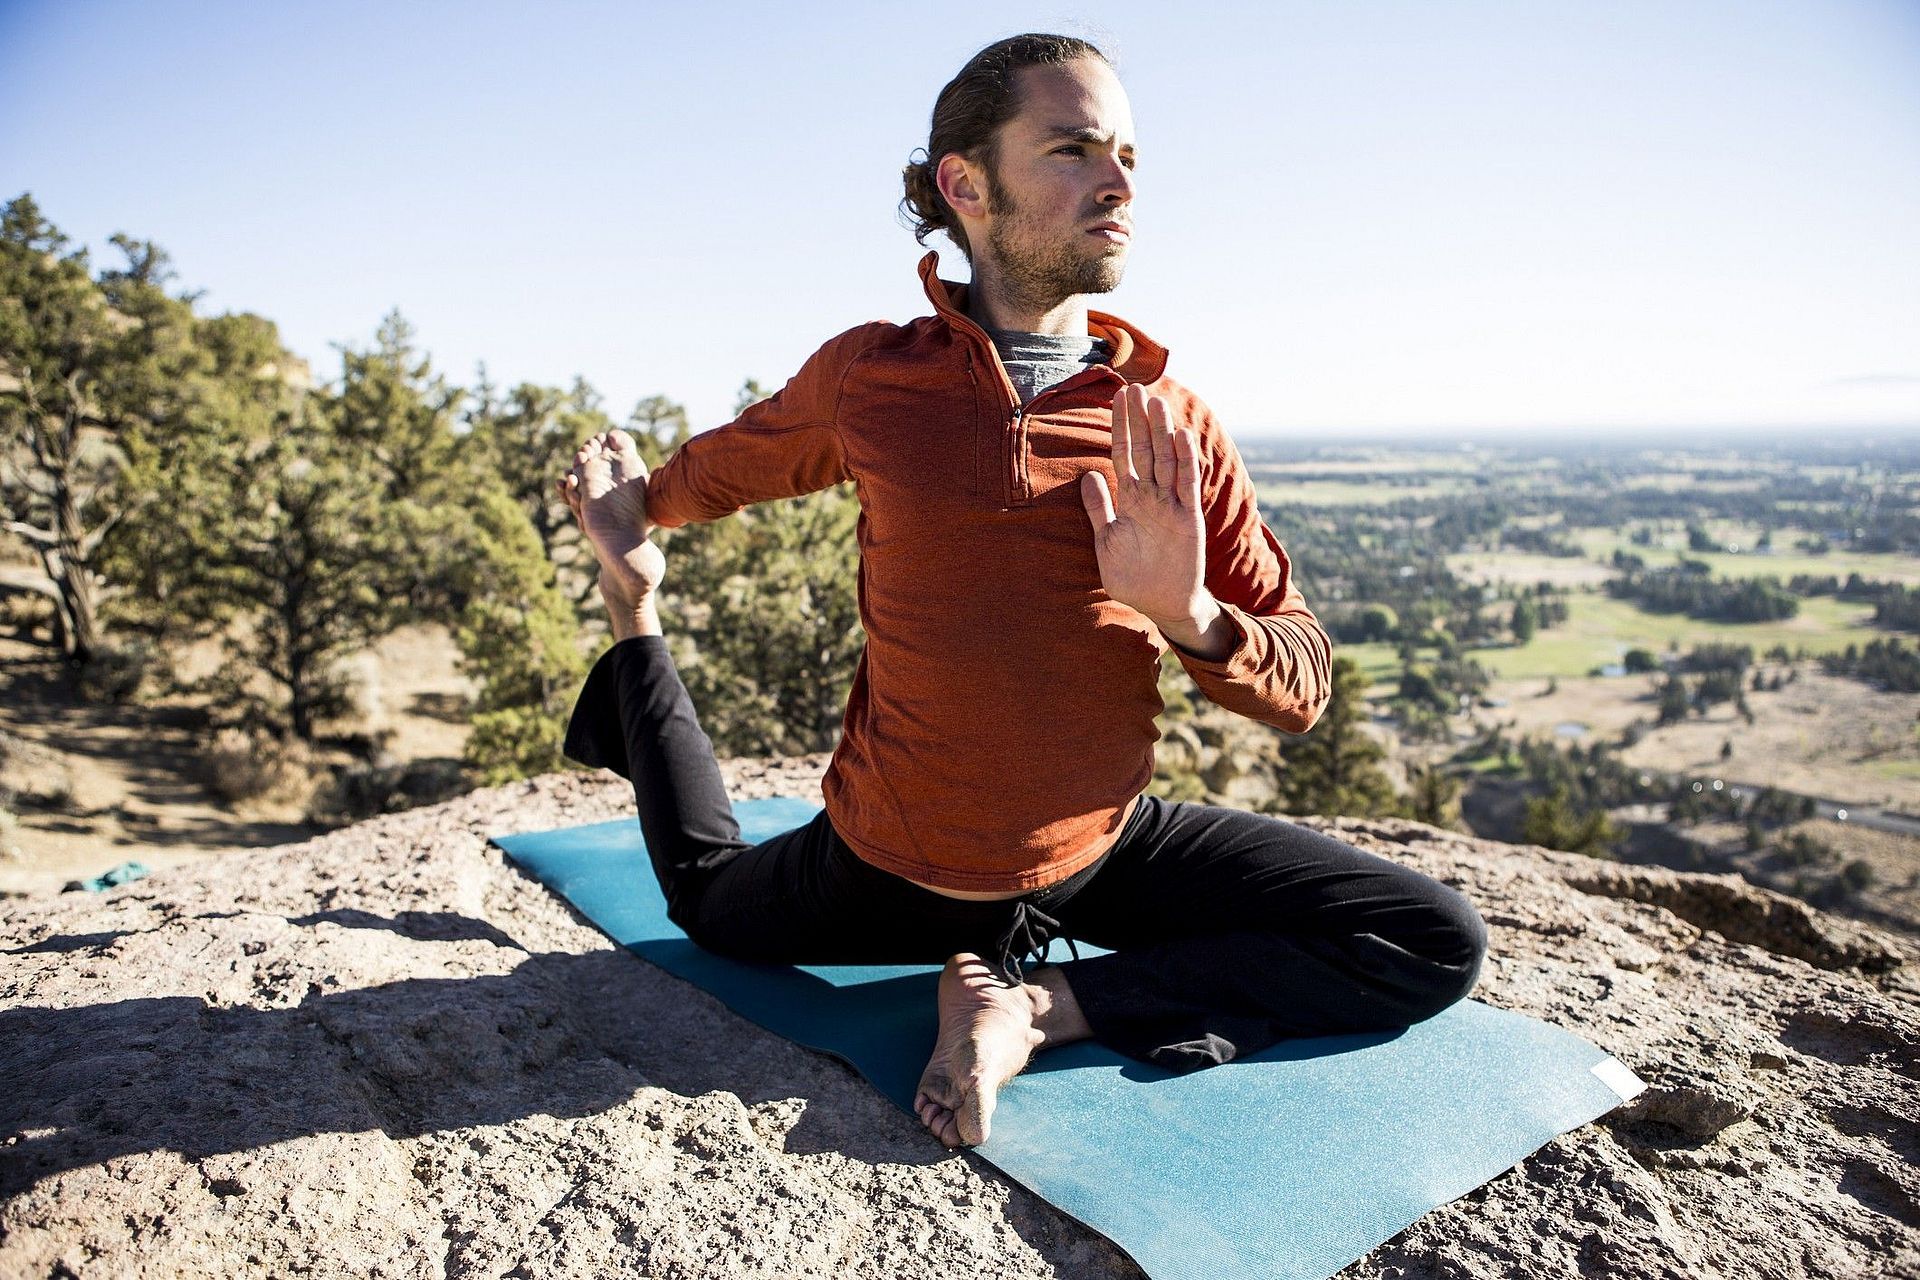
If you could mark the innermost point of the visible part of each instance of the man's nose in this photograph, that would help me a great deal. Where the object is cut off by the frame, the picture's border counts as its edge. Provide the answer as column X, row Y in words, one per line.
column 1116, row 184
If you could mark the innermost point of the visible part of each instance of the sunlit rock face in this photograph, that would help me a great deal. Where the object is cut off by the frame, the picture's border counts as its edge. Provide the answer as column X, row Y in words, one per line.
column 386, row 1053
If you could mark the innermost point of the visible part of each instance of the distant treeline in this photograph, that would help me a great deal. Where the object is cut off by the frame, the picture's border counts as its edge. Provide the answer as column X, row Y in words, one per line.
column 1896, row 606
column 1887, row 663
column 1374, row 576
column 1690, row 588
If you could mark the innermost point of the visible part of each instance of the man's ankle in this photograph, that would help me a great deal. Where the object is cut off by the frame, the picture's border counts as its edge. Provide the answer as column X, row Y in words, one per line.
column 630, row 620
column 1056, row 1012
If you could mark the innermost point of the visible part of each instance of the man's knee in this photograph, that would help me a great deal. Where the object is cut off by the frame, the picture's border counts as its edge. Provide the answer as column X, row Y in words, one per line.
column 687, row 910
column 706, row 933
column 1458, row 945
column 737, row 935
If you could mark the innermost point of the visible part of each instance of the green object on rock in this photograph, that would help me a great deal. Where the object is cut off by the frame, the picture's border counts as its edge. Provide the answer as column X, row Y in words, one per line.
column 125, row 873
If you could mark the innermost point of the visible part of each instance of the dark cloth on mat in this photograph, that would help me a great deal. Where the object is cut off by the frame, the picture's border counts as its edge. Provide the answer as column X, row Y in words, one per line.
column 1228, row 930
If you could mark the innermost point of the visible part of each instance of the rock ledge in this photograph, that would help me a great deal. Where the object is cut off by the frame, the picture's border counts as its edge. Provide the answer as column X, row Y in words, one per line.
column 385, row 1052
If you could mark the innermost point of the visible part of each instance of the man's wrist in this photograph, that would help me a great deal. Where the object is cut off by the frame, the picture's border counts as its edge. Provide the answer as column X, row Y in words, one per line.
column 1206, row 633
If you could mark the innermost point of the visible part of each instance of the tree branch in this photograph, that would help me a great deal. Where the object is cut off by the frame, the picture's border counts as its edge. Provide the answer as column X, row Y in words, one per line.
column 32, row 533
column 26, row 582
column 99, row 531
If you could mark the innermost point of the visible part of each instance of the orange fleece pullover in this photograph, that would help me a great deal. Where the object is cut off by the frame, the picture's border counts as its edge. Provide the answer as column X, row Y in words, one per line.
column 1001, row 716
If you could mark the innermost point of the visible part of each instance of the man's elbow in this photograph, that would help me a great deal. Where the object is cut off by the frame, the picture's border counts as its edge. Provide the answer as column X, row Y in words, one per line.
column 1320, row 694
column 1306, row 716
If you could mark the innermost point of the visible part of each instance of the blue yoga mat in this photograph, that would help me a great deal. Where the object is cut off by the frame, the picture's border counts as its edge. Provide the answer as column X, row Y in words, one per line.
column 1289, row 1163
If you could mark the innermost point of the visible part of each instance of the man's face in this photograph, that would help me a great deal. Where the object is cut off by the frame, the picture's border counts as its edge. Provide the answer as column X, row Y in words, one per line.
column 1064, row 167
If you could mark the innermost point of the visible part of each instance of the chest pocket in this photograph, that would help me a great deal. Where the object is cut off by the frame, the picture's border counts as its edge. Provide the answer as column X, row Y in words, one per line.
column 1061, row 446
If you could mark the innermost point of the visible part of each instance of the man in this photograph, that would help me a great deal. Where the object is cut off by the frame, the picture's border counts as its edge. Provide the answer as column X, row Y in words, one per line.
column 1043, row 513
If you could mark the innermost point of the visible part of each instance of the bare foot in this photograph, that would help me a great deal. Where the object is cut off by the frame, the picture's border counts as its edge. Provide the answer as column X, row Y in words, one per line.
column 606, row 490
column 987, row 1034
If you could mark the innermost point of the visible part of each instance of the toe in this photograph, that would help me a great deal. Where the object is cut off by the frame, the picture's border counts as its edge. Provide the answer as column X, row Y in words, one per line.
column 973, row 1121
column 936, row 1083
column 942, row 1126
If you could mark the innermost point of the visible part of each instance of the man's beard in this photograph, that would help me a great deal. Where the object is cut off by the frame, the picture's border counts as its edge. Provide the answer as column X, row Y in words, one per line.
column 1046, row 276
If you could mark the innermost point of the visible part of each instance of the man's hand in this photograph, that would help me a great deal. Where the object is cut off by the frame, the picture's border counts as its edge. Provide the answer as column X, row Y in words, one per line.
column 1153, row 552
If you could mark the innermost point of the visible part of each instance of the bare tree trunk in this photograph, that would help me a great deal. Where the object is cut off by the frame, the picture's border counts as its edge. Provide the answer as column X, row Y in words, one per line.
column 67, row 567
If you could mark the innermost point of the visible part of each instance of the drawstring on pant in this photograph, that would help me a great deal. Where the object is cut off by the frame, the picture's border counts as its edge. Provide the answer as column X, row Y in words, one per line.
column 1030, row 934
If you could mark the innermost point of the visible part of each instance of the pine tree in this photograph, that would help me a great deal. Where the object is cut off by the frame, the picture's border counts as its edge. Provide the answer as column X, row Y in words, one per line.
column 394, row 414
column 310, row 558
column 525, row 445
column 659, row 426
column 1675, row 701
column 519, row 638
column 1526, row 620
column 767, row 602
column 1552, row 822
column 85, row 361
column 1334, row 768
column 394, row 417
column 1436, row 796
column 178, row 479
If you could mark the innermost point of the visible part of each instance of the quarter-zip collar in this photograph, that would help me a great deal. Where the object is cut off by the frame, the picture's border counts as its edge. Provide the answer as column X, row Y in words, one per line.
column 1136, row 357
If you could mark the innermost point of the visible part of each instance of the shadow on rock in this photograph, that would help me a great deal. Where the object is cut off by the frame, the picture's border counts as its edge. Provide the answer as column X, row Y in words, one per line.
column 421, row 926
column 561, row 1035
column 92, row 1083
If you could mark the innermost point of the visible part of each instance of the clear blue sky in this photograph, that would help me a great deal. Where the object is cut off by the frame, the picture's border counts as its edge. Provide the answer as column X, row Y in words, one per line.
column 1353, row 217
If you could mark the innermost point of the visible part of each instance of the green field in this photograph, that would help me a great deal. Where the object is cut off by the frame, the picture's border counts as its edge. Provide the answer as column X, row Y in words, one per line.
column 1892, row 770
column 1882, row 567
column 1399, row 462
column 1335, row 493
column 1523, row 567
column 1876, row 566
column 1378, row 662
column 1600, row 629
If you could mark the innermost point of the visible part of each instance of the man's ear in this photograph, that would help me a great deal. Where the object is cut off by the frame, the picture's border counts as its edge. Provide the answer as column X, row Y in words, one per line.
column 960, row 185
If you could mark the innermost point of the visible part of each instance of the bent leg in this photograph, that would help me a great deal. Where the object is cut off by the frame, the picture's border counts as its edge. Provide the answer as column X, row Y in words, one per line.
column 804, row 897
column 634, row 716
column 1233, row 930
column 801, row 897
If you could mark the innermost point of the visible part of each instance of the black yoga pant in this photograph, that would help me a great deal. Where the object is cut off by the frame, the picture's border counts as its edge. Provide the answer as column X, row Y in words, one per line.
column 1229, row 930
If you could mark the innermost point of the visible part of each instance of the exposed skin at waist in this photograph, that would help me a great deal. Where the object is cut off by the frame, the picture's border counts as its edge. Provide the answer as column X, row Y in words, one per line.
column 1016, row 893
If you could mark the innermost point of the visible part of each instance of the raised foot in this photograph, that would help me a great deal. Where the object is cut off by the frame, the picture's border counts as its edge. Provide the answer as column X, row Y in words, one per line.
column 987, row 1035
column 606, row 491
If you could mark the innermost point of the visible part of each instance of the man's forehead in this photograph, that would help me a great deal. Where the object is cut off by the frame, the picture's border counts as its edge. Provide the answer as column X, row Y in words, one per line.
column 1093, row 133
column 1082, row 102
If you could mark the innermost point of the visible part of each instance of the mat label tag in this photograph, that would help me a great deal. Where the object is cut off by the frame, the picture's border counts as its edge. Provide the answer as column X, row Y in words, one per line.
column 1615, row 1075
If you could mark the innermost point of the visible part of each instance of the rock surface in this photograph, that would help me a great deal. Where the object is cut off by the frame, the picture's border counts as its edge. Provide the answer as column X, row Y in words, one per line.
column 385, row 1052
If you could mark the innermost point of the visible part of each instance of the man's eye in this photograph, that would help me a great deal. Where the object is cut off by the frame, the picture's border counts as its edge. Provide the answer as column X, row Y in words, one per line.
column 1127, row 161
column 1075, row 149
